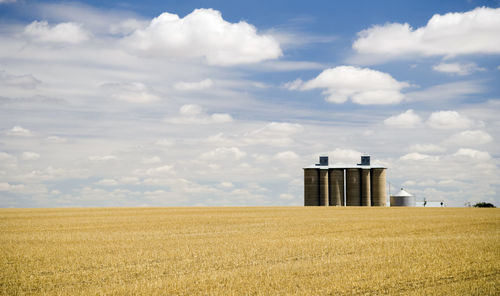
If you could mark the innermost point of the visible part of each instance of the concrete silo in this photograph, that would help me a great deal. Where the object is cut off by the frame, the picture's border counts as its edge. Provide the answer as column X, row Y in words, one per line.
column 336, row 187
column 339, row 185
column 353, row 187
column 378, row 187
column 311, row 187
column 403, row 199
column 323, row 188
column 365, row 188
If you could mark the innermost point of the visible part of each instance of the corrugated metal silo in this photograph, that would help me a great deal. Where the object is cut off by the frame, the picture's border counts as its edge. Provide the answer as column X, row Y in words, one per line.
column 311, row 187
column 378, row 187
column 365, row 188
column 353, row 187
column 403, row 199
column 323, row 187
column 336, row 187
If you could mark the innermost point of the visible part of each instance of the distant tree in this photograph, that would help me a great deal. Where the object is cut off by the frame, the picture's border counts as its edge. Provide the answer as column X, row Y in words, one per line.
column 484, row 205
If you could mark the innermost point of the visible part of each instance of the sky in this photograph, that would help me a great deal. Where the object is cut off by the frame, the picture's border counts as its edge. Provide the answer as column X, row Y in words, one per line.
column 222, row 103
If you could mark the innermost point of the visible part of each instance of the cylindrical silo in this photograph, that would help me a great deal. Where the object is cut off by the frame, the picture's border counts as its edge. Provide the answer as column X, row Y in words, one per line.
column 378, row 187
column 402, row 199
column 365, row 188
column 336, row 187
column 353, row 187
column 323, row 187
column 311, row 187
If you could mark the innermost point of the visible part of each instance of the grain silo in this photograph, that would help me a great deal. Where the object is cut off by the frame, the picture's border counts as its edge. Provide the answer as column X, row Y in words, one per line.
column 403, row 199
column 340, row 185
column 353, row 187
column 336, row 187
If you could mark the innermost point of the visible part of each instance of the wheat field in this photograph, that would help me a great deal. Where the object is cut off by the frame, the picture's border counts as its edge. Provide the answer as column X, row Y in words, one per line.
column 250, row 251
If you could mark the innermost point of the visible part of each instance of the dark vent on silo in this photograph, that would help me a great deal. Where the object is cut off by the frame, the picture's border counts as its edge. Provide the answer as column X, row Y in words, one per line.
column 365, row 160
column 323, row 161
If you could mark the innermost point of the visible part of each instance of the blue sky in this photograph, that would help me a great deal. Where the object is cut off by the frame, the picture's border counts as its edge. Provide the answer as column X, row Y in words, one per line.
column 211, row 103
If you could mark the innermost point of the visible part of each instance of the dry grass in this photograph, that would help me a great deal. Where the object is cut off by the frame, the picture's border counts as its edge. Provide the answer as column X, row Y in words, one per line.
column 257, row 251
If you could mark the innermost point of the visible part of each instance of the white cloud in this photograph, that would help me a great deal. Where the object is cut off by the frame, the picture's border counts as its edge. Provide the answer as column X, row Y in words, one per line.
column 474, row 154
column 104, row 158
column 446, row 91
column 448, row 120
column 406, row 119
column 286, row 196
column 286, row 156
column 19, row 131
column 344, row 156
column 56, row 139
column 456, row 68
column 224, row 153
column 28, row 155
column 470, row 32
column 273, row 134
column 426, row 148
column 418, row 156
column 61, row 33
column 156, row 171
column 193, row 86
column 194, row 114
column 133, row 92
column 362, row 85
column 151, row 160
column 26, row 81
column 7, row 1
column 470, row 138
column 203, row 34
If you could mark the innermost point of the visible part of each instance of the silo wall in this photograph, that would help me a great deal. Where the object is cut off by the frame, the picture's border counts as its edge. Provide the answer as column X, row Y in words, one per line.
column 336, row 187
column 353, row 187
column 403, row 201
column 378, row 187
column 365, row 188
column 311, row 187
column 323, row 188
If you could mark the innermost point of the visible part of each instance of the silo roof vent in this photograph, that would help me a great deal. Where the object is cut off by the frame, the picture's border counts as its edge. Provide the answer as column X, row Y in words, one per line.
column 323, row 161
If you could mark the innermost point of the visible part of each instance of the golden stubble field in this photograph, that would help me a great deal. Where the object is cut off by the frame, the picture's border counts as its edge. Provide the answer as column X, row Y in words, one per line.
column 250, row 251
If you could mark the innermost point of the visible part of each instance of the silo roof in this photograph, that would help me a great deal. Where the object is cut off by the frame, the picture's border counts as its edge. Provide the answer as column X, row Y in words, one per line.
column 341, row 166
column 402, row 193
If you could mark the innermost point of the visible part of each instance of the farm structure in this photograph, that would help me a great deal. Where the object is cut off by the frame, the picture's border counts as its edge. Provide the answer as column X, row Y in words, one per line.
column 339, row 185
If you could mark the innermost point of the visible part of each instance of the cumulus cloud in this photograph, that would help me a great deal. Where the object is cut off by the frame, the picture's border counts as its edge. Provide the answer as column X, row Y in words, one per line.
column 223, row 153
column 448, row 120
column 28, row 155
column 273, row 134
column 362, row 85
column 133, row 92
column 426, row 148
column 156, row 171
column 19, row 131
column 470, row 138
column 193, row 86
column 418, row 156
column 286, row 156
column 474, row 154
column 194, row 114
column 344, row 156
column 203, row 34
column 406, row 119
column 451, row 34
column 458, row 69
column 61, row 33
column 104, row 158
column 26, row 81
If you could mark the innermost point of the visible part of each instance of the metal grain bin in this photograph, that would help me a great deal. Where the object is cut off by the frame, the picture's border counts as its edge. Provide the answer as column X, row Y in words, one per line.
column 403, row 199
column 336, row 187
column 323, row 187
column 353, row 187
column 365, row 188
column 378, row 187
column 311, row 187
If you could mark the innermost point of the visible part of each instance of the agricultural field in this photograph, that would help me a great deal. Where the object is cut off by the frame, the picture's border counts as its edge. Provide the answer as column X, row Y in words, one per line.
column 250, row 251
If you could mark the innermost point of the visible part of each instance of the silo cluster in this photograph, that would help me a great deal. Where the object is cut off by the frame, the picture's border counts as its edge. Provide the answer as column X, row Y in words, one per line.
column 357, row 185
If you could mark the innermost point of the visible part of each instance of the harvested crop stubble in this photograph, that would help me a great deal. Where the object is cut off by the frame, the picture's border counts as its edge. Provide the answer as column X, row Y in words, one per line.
column 258, row 251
